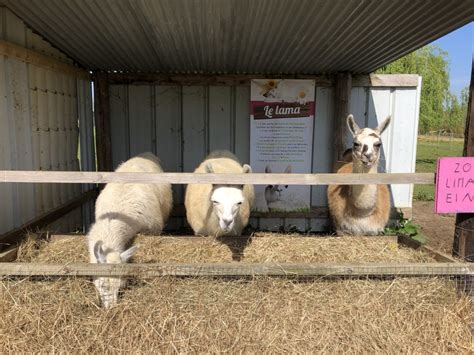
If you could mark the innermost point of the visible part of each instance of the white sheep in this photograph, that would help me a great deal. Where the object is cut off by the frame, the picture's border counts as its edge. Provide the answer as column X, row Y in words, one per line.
column 122, row 211
column 219, row 210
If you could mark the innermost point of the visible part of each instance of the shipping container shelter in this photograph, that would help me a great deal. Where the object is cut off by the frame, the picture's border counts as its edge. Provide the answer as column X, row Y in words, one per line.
column 173, row 77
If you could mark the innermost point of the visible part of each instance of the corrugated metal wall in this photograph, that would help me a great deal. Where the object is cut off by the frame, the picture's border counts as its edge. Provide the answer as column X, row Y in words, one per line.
column 39, row 129
column 181, row 124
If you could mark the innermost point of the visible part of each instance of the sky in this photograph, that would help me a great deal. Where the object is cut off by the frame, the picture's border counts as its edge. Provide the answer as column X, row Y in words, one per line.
column 459, row 44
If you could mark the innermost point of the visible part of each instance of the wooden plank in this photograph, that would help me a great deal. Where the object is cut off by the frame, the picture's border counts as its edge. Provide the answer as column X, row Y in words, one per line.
column 194, row 126
column 463, row 244
column 386, row 80
column 9, row 254
column 237, row 270
column 14, row 236
column 29, row 56
column 141, row 127
column 119, row 124
column 342, row 98
column 211, row 79
column 414, row 244
column 220, row 128
column 102, row 122
column 230, row 179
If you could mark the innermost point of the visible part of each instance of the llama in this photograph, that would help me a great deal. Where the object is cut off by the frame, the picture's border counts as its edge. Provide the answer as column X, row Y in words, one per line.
column 219, row 210
column 273, row 193
column 361, row 209
column 122, row 211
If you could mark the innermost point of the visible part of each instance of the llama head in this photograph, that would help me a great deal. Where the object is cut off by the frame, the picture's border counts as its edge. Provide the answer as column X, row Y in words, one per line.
column 273, row 192
column 226, row 200
column 109, row 287
column 366, row 141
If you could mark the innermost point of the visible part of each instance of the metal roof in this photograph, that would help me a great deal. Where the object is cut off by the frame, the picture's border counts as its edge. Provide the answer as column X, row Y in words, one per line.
column 240, row 36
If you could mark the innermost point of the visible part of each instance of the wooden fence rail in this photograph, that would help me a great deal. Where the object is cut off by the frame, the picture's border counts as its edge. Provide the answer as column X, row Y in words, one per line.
column 17, row 176
column 237, row 270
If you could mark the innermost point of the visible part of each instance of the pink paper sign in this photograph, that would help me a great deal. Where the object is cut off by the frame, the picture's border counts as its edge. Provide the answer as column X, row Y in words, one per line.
column 455, row 185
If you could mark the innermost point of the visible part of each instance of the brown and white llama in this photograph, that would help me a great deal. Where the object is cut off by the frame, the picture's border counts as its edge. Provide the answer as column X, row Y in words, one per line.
column 361, row 209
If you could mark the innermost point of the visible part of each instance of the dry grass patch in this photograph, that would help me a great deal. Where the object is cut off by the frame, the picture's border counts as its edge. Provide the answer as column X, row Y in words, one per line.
column 260, row 315
column 261, row 248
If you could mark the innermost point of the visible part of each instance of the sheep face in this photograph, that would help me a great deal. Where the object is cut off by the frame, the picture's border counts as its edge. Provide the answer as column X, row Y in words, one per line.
column 226, row 202
column 109, row 287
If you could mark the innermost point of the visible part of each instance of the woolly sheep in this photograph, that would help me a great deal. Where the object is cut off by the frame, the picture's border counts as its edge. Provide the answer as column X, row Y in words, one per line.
column 219, row 210
column 122, row 211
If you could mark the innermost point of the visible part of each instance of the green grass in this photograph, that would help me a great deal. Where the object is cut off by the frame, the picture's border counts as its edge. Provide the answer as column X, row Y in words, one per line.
column 427, row 155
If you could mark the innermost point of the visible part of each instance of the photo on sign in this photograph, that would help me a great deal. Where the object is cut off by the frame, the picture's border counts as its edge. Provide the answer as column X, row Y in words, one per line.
column 281, row 135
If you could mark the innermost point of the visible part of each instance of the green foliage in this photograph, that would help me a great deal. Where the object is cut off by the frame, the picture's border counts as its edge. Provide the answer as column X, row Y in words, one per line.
column 406, row 227
column 439, row 109
column 427, row 154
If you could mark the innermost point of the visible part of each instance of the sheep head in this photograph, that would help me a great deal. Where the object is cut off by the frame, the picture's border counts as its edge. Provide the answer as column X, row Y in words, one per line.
column 109, row 287
column 226, row 200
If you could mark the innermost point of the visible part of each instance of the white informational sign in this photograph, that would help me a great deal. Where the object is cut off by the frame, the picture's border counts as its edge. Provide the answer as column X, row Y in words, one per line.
column 281, row 136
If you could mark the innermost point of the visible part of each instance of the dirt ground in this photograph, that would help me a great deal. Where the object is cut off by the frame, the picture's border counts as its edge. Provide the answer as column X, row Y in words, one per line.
column 438, row 229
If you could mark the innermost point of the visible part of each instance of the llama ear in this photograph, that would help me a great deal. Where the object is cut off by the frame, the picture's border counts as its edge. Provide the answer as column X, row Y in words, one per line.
column 99, row 253
column 268, row 170
column 209, row 168
column 383, row 126
column 288, row 169
column 127, row 254
column 353, row 127
column 247, row 169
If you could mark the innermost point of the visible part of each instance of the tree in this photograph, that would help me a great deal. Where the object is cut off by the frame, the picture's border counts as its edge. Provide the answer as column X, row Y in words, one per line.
column 432, row 63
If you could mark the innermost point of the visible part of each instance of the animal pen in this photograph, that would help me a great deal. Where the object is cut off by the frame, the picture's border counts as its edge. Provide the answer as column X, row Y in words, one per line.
column 87, row 85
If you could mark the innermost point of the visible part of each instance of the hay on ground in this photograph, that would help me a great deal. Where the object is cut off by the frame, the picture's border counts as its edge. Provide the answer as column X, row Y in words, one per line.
column 260, row 315
column 262, row 248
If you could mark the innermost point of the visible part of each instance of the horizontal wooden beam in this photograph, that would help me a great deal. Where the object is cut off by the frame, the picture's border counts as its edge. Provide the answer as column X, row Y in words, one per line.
column 30, row 56
column 202, row 178
column 414, row 244
column 372, row 80
column 16, row 235
column 236, row 269
column 386, row 80
column 210, row 79
column 9, row 254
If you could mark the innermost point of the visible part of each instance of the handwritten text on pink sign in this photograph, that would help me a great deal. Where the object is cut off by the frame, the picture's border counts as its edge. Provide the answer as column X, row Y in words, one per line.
column 455, row 185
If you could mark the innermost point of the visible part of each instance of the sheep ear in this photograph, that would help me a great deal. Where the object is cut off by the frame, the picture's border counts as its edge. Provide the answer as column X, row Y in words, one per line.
column 127, row 254
column 353, row 127
column 247, row 169
column 209, row 168
column 288, row 169
column 268, row 170
column 99, row 253
column 383, row 126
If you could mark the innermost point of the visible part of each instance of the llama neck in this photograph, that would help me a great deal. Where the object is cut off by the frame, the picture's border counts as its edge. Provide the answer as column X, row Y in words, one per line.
column 363, row 197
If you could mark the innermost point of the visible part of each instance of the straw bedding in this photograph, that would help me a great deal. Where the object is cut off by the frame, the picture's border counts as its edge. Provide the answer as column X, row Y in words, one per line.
column 262, row 248
column 213, row 315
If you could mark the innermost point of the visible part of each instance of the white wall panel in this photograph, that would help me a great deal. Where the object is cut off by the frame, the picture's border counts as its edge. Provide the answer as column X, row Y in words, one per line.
column 140, row 99
column 190, row 121
column 6, row 190
column 195, row 120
